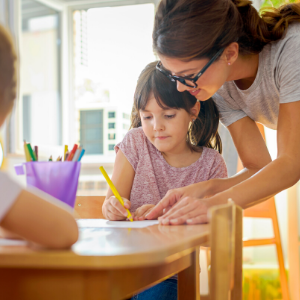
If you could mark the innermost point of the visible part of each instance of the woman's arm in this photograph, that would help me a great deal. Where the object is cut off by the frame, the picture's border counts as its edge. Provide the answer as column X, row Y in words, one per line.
column 276, row 176
column 40, row 222
column 122, row 178
column 252, row 151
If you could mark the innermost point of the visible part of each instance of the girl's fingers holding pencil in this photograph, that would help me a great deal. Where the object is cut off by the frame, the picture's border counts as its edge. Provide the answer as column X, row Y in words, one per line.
column 114, row 217
column 118, row 206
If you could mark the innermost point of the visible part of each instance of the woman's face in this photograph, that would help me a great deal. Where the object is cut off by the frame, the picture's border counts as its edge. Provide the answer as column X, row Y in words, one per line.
column 208, row 83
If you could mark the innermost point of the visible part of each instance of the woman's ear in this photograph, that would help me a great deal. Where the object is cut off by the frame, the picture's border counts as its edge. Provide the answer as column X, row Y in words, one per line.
column 231, row 53
column 195, row 110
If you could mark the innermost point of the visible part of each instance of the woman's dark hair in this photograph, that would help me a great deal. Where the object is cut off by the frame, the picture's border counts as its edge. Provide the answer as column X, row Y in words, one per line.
column 203, row 131
column 196, row 29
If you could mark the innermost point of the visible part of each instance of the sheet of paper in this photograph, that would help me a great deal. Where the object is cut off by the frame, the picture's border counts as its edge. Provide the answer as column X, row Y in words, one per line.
column 8, row 242
column 98, row 223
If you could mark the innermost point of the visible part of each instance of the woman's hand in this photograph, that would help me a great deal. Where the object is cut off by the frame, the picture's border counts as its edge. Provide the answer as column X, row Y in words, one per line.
column 142, row 211
column 197, row 190
column 113, row 210
column 189, row 210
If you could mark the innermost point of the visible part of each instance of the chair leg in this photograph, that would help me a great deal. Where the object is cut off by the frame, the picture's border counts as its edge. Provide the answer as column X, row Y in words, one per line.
column 283, row 277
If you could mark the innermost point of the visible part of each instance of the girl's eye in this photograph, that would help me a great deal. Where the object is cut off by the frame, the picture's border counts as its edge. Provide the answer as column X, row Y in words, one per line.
column 170, row 116
column 147, row 118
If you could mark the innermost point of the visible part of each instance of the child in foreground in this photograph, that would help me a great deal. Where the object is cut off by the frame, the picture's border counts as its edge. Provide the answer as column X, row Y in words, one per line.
column 173, row 143
column 28, row 214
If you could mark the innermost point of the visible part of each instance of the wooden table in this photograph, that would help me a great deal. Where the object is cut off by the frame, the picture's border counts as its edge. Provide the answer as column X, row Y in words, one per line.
column 106, row 263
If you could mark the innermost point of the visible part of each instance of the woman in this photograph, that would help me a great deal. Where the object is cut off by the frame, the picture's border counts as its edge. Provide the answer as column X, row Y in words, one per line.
column 250, row 66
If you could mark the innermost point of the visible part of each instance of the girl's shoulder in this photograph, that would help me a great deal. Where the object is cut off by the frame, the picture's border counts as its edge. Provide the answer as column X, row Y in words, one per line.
column 215, row 162
column 135, row 136
column 209, row 152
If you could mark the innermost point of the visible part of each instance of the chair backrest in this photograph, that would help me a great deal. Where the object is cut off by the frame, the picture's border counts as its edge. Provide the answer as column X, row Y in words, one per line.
column 89, row 207
column 226, row 252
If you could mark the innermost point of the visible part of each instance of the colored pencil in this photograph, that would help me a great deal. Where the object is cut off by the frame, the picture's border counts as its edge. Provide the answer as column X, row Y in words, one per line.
column 115, row 192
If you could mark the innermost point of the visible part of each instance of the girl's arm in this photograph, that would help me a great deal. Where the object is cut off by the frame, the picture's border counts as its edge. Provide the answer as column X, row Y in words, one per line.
column 40, row 222
column 276, row 176
column 122, row 178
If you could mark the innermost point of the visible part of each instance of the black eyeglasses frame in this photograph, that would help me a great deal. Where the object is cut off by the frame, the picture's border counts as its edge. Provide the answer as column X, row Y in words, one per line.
column 194, row 79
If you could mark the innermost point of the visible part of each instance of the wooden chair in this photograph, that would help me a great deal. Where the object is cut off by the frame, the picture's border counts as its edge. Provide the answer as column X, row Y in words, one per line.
column 267, row 209
column 89, row 207
column 226, row 252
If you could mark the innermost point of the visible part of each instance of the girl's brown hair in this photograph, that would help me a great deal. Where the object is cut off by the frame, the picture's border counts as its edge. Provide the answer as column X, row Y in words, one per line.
column 195, row 29
column 203, row 131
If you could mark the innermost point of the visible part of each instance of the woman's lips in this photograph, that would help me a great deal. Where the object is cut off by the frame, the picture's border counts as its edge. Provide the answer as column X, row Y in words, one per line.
column 194, row 92
column 161, row 137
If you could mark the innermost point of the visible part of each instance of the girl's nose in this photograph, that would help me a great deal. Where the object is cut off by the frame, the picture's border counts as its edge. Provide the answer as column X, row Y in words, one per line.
column 158, row 125
column 181, row 87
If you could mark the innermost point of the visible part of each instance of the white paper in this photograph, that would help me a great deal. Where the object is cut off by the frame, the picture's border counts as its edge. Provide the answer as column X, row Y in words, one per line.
column 98, row 223
column 9, row 242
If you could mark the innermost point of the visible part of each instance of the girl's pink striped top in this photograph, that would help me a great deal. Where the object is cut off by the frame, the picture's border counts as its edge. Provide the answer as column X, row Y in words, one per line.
column 154, row 176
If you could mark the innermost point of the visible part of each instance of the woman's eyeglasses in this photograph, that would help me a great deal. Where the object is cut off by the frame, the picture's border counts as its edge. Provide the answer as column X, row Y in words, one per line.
column 188, row 81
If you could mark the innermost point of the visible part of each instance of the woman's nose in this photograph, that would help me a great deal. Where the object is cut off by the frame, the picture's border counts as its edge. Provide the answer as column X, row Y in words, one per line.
column 181, row 87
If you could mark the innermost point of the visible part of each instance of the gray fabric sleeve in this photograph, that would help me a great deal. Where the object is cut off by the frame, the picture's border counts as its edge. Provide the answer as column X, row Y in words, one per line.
column 288, row 71
column 227, row 115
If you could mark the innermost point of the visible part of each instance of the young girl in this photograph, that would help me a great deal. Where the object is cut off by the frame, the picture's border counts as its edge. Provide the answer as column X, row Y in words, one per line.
column 31, row 215
column 172, row 143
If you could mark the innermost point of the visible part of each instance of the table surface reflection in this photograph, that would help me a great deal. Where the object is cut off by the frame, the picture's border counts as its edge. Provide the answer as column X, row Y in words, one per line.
column 103, row 248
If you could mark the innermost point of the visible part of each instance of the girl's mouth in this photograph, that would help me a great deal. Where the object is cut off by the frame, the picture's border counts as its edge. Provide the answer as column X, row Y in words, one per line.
column 194, row 92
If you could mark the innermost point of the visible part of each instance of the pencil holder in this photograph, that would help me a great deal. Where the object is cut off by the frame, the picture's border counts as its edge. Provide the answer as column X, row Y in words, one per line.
column 58, row 179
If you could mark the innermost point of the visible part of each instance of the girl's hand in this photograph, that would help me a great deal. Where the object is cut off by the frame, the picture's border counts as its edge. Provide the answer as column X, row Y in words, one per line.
column 141, row 212
column 188, row 211
column 113, row 210
column 197, row 190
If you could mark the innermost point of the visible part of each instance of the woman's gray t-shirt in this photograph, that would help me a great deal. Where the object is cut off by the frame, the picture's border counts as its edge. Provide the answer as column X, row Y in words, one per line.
column 277, row 81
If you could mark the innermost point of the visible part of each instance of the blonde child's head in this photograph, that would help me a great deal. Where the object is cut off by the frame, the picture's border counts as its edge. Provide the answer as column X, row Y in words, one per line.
column 8, row 75
column 196, row 122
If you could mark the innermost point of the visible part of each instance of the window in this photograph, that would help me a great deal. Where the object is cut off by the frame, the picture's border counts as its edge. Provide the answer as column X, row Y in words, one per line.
column 125, row 126
column 126, row 116
column 40, row 90
column 111, row 114
column 111, row 46
column 111, row 147
column 91, row 131
column 111, row 136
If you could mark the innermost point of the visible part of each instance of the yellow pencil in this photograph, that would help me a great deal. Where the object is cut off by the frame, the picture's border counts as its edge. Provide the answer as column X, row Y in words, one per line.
column 27, row 155
column 115, row 192
column 65, row 152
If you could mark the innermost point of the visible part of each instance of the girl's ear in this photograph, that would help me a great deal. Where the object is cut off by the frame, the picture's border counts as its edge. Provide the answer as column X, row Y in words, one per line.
column 195, row 110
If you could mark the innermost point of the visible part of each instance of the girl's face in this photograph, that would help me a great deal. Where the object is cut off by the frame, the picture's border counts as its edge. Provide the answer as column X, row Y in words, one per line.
column 208, row 83
column 167, row 129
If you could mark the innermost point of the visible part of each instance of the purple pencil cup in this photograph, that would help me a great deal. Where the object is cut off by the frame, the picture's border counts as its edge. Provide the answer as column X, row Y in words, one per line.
column 58, row 179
